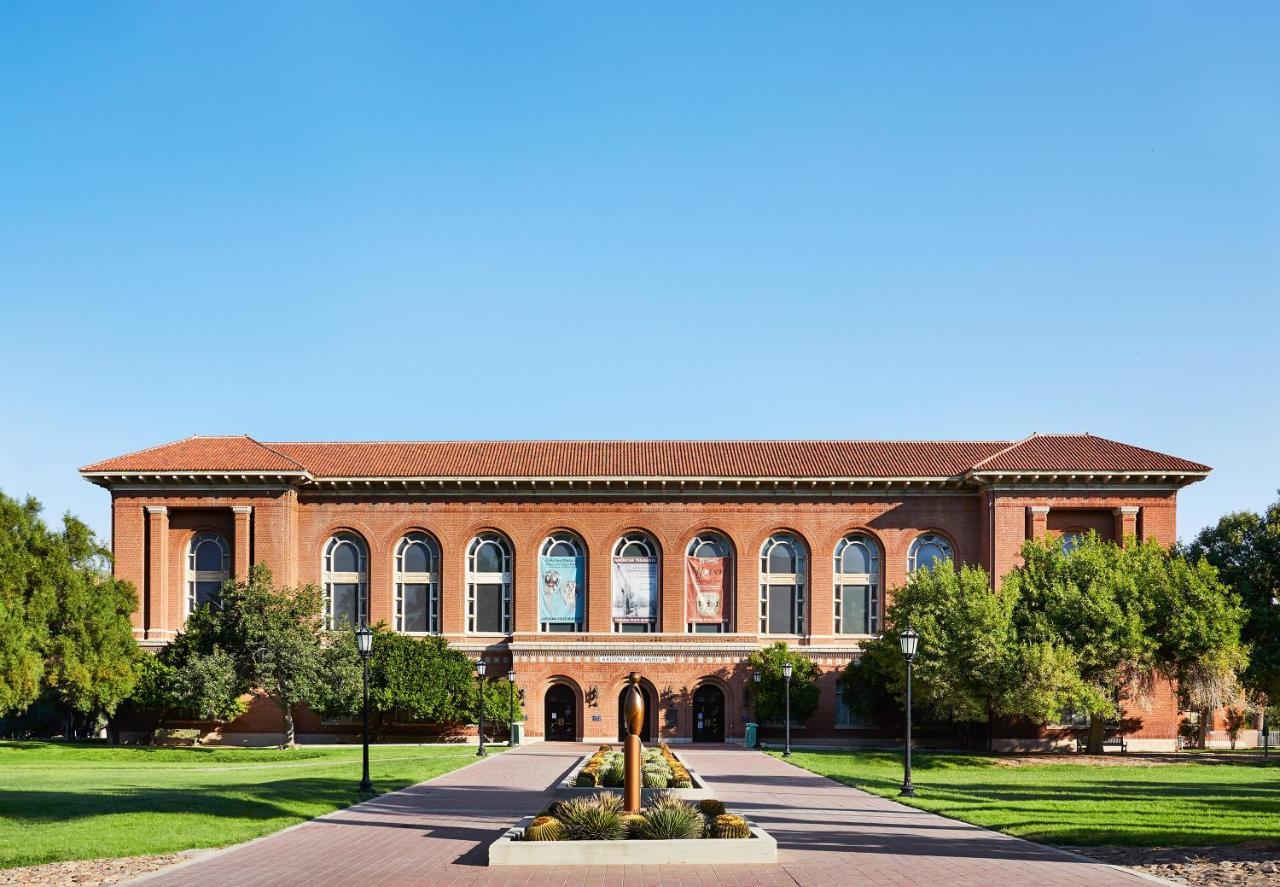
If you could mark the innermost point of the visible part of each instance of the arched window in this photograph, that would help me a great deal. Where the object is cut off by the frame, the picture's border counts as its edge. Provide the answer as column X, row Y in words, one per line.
column 857, row 585
column 346, row 580
column 637, row 585
column 562, row 582
column 1073, row 539
column 489, row 584
column 782, row 585
column 208, row 566
column 708, row 584
column 926, row 550
column 417, row 578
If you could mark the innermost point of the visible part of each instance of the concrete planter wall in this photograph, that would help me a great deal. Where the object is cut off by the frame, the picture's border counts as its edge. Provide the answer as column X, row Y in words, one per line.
column 510, row 850
column 569, row 789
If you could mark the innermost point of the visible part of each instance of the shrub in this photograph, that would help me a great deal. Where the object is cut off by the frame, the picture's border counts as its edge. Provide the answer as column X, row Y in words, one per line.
column 545, row 828
column 727, row 825
column 591, row 819
column 671, row 822
column 666, row 799
column 711, row 807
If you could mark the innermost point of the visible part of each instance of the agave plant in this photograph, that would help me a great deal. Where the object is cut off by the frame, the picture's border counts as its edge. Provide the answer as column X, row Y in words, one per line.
column 671, row 822
column 592, row 819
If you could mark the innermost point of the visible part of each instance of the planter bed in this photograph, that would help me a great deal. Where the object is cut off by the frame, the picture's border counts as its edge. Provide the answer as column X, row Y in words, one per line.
column 511, row 850
column 568, row 788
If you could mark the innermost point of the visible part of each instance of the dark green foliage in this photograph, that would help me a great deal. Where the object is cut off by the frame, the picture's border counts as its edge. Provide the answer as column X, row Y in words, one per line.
column 180, row 678
column 671, row 821
column 768, row 696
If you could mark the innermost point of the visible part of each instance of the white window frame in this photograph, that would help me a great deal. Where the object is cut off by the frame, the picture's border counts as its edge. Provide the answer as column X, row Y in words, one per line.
column 360, row 578
column 797, row 580
column 194, row 575
column 724, row 550
column 650, row 544
column 502, row 578
column 928, row 539
column 562, row 537
column 870, row 580
column 431, row 579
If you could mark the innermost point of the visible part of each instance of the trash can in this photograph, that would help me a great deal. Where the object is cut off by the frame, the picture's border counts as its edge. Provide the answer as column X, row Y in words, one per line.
column 517, row 732
column 751, row 740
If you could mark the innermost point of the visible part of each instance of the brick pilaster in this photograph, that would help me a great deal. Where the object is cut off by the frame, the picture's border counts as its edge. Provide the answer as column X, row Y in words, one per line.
column 1037, row 521
column 158, row 627
column 243, row 542
column 1126, row 523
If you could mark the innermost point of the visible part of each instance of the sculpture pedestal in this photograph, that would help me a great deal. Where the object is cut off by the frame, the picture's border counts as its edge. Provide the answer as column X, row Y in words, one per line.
column 631, row 780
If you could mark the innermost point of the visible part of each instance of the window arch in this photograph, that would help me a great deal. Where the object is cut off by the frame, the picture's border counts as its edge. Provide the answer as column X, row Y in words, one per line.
column 346, row 580
column 637, row 583
column 708, row 583
column 926, row 550
column 783, row 577
column 562, row 582
column 417, row 581
column 489, row 584
column 208, row 566
column 857, row 585
column 1072, row 539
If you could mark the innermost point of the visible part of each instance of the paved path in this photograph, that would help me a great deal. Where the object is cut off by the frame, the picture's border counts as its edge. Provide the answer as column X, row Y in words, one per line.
column 437, row 832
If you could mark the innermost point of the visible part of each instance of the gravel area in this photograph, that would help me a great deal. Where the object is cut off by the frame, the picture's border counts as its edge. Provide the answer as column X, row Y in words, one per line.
column 1243, row 866
column 90, row 872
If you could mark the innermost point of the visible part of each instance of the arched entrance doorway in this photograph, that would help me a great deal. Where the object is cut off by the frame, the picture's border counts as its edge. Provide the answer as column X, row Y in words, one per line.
column 708, row 714
column 650, row 711
column 560, row 714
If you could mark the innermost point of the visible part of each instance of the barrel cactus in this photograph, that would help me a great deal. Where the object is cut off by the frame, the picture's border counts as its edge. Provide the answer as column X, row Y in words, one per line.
column 711, row 807
column 653, row 778
column 544, row 828
column 633, row 822
column 728, row 825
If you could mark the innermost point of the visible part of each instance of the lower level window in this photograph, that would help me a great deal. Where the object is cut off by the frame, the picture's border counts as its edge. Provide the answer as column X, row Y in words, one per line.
column 845, row 715
column 782, row 609
column 203, row 593
column 857, row 609
column 418, row 608
column 345, row 605
column 490, row 608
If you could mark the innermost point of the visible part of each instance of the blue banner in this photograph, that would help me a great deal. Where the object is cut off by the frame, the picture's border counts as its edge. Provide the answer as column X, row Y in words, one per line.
column 560, row 589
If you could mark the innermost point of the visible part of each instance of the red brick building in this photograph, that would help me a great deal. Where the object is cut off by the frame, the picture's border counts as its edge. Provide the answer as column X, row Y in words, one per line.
column 577, row 562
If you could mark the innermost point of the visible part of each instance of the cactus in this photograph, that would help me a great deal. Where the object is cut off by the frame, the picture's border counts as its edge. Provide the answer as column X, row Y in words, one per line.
column 592, row 819
column 585, row 780
column 544, row 828
column 613, row 777
column 682, row 783
column 728, row 825
column 633, row 822
column 671, row 822
column 711, row 807
column 653, row 779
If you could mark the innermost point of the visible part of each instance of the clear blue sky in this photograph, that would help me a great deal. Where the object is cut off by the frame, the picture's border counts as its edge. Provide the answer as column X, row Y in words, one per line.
column 378, row 221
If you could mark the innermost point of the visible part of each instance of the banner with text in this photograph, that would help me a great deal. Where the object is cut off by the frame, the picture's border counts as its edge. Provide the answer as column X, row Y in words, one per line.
column 560, row 589
column 635, row 589
column 706, row 596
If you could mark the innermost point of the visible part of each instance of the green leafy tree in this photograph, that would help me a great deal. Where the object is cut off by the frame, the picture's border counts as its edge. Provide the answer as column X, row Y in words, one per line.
column 177, row 681
column 1245, row 548
column 1126, row 614
column 26, row 600
column 768, row 698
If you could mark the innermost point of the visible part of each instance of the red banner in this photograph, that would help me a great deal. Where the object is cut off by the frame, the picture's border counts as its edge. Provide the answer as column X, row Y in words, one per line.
column 706, row 597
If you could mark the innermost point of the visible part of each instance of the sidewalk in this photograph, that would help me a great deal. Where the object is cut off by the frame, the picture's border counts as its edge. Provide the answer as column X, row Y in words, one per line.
column 437, row 832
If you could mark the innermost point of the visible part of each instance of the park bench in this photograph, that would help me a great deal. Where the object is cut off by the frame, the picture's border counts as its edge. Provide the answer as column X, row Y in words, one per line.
column 1108, row 742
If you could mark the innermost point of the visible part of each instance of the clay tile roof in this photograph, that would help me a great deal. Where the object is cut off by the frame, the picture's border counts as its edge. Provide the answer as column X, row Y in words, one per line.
column 201, row 454
column 660, row 458
column 1082, row 452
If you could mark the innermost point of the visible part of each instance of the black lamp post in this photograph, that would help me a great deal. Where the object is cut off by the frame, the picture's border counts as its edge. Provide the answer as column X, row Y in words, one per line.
column 480, row 666
column 786, row 678
column 909, row 641
column 511, row 706
column 755, row 704
column 364, row 644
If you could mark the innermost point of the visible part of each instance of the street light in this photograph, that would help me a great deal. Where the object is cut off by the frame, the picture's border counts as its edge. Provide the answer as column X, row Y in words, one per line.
column 786, row 677
column 511, row 706
column 364, row 644
column 480, row 667
column 909, row 641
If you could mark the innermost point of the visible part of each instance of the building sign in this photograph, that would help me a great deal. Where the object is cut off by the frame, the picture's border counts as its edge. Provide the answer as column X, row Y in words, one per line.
column 706, row 595
column 635, row 589
column 635, row 659
column 560, row 589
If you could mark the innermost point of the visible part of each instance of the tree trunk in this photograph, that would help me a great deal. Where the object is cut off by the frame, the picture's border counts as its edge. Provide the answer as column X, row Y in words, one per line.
column 1097, row 733
column 113, row 730
column 286, row 713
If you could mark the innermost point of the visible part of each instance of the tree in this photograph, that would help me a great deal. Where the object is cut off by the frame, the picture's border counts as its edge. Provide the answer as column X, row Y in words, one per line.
column 423, row 679
column 768, row 698
column 26, row 600
column 1245, row 548
column 179, row 680
column 273, row 635
column 1126, row 614
column 970, row 667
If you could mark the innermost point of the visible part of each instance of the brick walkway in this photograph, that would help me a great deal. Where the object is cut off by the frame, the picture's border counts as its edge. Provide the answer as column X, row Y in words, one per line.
column 437, row 832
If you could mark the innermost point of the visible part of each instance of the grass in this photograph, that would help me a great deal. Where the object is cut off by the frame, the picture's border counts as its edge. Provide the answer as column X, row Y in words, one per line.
column 1197, row 803
column 62, row 801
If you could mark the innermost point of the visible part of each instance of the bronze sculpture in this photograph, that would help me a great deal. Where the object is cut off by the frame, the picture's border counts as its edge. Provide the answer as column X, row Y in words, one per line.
column 633, row 714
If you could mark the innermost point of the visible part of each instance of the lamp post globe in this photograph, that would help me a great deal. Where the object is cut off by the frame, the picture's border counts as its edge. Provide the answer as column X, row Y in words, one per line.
column 786, row 680
column 364, row 645
column 909, row 642
column 480, row 670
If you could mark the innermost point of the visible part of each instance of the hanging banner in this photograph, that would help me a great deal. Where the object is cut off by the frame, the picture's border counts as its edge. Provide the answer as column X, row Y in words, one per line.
column 705, row 594
column 560, row 589
column 635, row 589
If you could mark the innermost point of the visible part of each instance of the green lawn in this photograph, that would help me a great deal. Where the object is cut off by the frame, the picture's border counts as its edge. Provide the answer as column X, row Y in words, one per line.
column 80, row 801
column 1184, row 804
